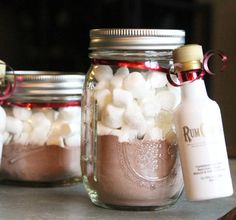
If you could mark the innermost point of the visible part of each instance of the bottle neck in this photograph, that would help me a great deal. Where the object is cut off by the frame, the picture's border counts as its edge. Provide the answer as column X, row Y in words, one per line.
column 193, row 85
column 194, row 90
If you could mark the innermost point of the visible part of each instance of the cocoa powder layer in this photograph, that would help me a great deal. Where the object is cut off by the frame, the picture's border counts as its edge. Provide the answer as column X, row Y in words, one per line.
column 40, row 163
column 137, row 173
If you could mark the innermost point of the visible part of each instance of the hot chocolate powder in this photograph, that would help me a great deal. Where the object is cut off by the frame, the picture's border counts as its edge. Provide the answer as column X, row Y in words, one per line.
column 40, row 163
column 136, row 173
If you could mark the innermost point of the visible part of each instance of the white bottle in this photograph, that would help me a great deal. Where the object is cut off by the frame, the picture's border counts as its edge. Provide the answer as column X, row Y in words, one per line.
column 200, row 132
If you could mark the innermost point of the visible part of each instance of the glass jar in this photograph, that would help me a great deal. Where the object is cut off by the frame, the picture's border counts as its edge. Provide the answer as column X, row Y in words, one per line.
column 43, row 129
column 129, row 152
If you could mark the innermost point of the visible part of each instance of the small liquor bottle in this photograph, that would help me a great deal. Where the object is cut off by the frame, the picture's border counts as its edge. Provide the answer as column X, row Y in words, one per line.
column 200, row 132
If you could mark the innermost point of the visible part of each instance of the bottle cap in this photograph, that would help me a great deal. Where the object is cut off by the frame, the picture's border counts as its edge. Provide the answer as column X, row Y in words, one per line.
column 2, row 69
column 190, row 56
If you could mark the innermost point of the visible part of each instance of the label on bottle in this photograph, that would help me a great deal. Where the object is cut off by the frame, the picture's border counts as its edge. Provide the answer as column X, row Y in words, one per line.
column 202, row 141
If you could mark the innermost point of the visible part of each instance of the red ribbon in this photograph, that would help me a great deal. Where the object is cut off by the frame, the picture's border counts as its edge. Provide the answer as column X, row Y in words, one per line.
column 44, row 105
column 193, row 75
column 211, row 53
column 147, row 65
column 152, row 65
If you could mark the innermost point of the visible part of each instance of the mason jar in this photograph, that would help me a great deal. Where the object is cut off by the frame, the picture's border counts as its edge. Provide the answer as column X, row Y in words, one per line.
column 129, row 152
column 41, row 142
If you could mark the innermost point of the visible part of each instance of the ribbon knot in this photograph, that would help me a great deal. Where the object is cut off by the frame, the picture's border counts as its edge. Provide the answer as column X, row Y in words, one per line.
column 200, row 73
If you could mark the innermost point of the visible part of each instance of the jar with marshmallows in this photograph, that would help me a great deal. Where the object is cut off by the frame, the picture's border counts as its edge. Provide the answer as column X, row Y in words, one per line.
column 129, row 151
column 43, row 129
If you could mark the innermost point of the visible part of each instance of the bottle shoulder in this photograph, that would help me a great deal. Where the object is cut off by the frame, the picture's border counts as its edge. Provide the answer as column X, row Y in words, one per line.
column 195, row 105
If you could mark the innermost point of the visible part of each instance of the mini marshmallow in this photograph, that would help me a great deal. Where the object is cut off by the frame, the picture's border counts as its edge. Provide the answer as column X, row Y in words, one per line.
column 123, row 137
column 23, row 138
column 27, row 127
column 102, row 85
column 70, row 113
column 133, row 116
column 39, row 119
column 55, row 140
column 122, row 72
column 14, row 125
column 16, row 136
column 164, row 120
column 154, row 134
column 128, row 134
column 166, row 99
column 118, row 133
column 75, row 127
column 150, row 122
column 144, row 74
column 121, row 98
column 142, row 131
column 102, row 72
column 102, row 129
column 6, row 137
column 60, row 128
column 2, row 119
column 39, row 135
column 112, row 116
column 116, row 82
column 149, row 106
column 103, row 97
column 125, row 134
column 156, row 79
column 73, row 141
column 136, row 84
column 149, row 91
column 50, row 113
column 22, row 113
column 64, row 129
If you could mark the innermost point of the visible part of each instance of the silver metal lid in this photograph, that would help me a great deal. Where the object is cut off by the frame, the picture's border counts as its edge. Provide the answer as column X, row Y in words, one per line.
column 44, row 86
column 136, row 39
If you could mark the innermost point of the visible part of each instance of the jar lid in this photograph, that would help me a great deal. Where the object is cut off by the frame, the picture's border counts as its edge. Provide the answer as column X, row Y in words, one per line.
column 44, row 86
column 136, row 39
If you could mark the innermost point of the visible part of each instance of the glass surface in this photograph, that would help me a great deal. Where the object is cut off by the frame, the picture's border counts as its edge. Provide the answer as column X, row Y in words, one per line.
column 41, row 144
column 129, row 153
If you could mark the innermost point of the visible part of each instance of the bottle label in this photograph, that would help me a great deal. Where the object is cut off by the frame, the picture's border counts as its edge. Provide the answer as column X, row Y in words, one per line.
column 204, row 130
column 204, row 158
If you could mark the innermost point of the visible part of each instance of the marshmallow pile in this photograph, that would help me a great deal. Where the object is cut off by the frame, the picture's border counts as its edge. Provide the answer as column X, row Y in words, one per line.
column 134, row 104
column 43, row 126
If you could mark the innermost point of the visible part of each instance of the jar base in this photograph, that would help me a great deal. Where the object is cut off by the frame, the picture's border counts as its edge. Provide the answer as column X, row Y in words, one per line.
column 134, row 208
column 95, row 200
